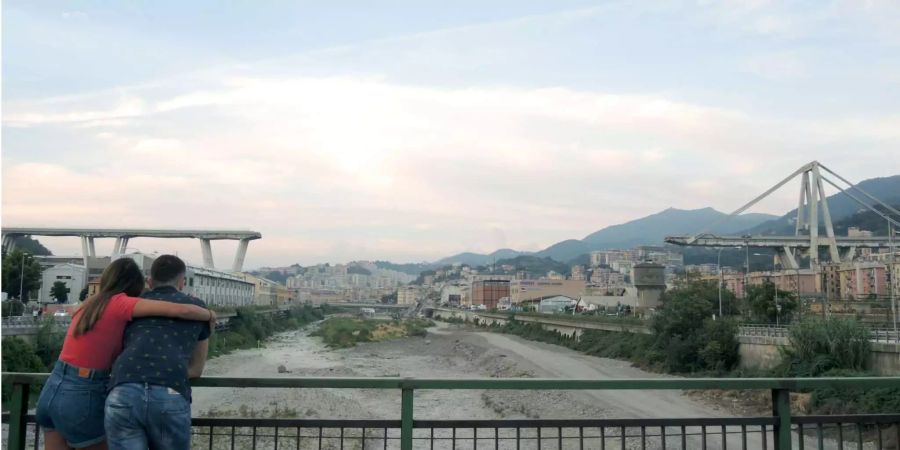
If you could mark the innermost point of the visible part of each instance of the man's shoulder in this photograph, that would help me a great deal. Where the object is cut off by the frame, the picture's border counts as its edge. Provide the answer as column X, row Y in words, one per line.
column 174, row 297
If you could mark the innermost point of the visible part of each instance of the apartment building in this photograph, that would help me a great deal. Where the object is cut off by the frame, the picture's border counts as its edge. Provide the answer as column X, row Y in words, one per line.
column 489, row 292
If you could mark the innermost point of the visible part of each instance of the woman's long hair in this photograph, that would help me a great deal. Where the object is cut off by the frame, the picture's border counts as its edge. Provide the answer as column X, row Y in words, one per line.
column 122, row 276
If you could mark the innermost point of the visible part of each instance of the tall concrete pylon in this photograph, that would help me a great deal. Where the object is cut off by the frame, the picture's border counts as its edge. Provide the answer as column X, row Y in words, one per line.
column 812, row 208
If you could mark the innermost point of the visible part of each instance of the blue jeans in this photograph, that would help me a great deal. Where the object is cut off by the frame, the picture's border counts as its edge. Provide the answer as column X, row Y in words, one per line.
column 142, row 416
column 72, row 404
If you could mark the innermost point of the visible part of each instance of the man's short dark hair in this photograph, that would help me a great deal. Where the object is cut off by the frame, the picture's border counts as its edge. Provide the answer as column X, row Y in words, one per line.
column 166, row 269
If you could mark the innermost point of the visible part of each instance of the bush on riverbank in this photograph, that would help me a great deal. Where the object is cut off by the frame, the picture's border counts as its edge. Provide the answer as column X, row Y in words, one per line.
column 835, row 347
column 20, row 356
column 818, row 346
column 249, row 327
column 344, row 332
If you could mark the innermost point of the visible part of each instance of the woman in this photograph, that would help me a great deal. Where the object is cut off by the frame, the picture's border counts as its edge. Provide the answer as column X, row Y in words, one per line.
column 70, row 408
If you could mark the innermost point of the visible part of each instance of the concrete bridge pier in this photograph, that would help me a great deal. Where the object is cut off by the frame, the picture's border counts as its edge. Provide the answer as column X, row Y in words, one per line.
column 240, row 254
column 9, row 243
column 206, row 248
column 118, row 247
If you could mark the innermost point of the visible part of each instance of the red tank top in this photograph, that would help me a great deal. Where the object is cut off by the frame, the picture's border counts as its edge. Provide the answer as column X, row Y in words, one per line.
column 98, row 348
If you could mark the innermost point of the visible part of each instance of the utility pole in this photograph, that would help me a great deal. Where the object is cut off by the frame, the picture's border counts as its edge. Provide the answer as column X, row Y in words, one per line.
column 746, row 265
column 721, row 279
column 22, row 279
column 892, row 270
column 777, row 308
column 799, row 302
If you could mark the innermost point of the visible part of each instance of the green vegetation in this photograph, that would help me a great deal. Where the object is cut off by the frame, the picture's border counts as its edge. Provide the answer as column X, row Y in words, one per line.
column 12, row 274
column 818, row 346
column 21, row 356
column 686, row 338
column 607, row 344
column 13, row 308
column 249, row 328
column 835, row 347
column 770, row 305
column 59, row 291
column 343, row 332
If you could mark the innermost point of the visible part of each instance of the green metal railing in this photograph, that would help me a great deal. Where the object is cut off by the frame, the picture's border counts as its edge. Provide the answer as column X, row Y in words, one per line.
column 780, row 388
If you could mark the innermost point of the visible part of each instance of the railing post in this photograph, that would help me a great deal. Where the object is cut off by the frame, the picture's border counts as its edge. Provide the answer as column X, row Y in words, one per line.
column 781, row 408
column 406, row 419
column 17, row 411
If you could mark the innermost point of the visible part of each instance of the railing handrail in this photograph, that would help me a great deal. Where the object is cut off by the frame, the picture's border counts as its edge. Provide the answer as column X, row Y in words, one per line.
column 780, row 388
column 519, row 383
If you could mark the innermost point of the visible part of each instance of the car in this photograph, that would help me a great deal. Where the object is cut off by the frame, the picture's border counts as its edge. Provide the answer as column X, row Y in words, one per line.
column 61, row 313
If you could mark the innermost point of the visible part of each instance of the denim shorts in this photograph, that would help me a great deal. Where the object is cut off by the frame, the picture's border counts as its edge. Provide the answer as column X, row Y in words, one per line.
column 72, row 405
column 141, row 416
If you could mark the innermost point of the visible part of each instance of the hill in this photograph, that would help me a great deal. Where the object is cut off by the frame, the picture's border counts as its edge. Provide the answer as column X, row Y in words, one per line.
column 866, row 220
column 478, row 259
column 32, row 246
column 408, row 268
column 886, row 189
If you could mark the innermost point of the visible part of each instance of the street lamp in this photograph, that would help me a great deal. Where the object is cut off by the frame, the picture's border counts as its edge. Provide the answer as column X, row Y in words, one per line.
column 721, row 277
column 892, row 270
column 22, row 279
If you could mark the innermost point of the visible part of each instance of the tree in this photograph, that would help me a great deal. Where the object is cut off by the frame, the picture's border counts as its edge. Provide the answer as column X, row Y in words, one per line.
column 685, row 336
column 763, row 306
column 13, row 308
column 59, row 291
column 83, row 294
column 12, row 274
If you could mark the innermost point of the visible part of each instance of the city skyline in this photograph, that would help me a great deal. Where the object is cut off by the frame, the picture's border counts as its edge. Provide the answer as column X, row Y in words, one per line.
column 436, row 129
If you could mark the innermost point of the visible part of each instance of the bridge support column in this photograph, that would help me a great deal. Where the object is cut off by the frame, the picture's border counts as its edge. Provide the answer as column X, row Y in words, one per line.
column 848, row 254
column 9, row 243
column 786, row 255
column 206, row 248
column 117, row 248
column 239, row 255
column 91, row 248
column 85, row 250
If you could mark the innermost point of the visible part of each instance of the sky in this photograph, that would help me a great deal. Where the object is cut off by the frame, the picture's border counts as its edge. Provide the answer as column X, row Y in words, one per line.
column 413, row 130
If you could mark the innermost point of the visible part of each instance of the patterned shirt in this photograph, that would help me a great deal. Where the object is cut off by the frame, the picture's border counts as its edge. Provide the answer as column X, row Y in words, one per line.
column 157, row 350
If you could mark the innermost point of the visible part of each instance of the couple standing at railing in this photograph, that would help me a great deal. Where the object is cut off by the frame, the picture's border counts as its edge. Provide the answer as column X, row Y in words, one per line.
column 139, row 351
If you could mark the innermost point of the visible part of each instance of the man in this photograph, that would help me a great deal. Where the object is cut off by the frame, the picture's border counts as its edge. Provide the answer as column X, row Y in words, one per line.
column 149, row 403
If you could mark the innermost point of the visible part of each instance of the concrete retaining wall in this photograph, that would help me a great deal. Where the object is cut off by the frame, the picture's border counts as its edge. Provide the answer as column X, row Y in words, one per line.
column 761, row 352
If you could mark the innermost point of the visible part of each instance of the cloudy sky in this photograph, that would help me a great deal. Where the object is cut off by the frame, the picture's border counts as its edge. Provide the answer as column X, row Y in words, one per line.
column 412, row 130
